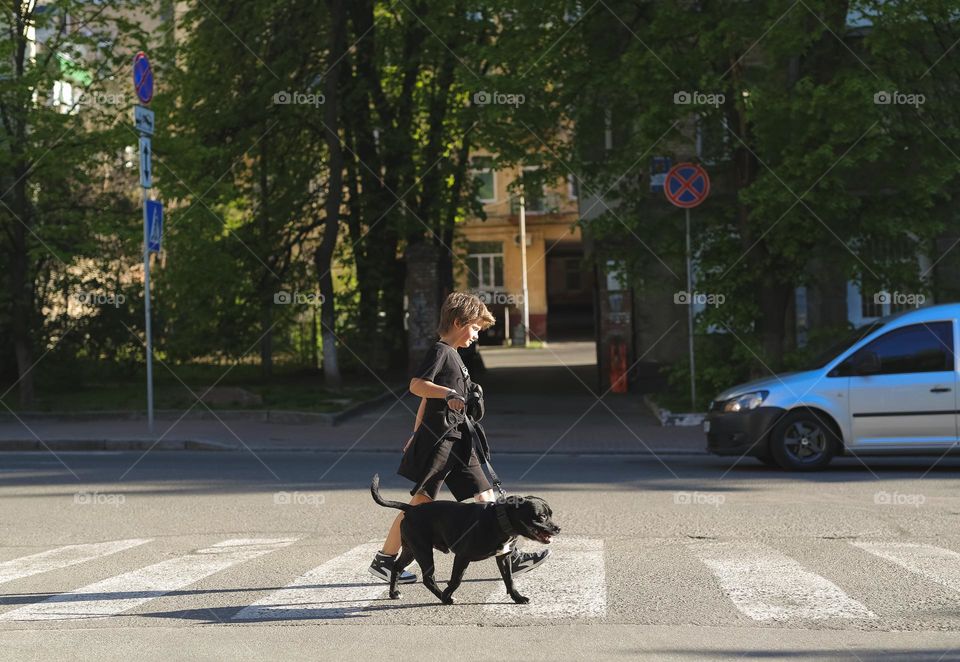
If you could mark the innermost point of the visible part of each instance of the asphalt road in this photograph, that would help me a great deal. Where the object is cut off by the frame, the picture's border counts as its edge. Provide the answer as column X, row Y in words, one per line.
column 179, row 555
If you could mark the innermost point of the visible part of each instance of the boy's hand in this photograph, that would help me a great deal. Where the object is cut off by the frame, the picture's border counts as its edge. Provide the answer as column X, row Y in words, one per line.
column 455, row 401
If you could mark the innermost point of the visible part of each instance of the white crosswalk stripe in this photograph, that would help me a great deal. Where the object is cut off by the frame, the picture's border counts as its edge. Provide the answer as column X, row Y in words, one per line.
column 123, row 592
column 570, row 584
column 62, row 557
column 754, row 579
column 767, row 585
column 339, row 588
column 934, row 563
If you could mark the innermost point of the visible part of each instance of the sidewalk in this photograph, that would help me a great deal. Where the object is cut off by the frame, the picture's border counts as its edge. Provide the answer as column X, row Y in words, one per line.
column 562, row 424
column 537, row 401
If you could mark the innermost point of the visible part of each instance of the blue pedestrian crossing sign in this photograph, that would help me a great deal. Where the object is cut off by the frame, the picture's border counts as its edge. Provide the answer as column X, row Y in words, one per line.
column 154, row 214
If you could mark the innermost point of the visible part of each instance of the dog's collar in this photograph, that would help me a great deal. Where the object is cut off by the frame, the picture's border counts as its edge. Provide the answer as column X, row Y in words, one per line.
column 503, row 520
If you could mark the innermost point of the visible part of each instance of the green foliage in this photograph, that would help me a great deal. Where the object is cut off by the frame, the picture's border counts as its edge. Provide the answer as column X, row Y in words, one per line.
column 806, row 168
column 65, row 206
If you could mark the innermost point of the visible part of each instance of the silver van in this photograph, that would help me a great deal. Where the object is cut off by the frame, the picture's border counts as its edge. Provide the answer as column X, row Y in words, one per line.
column 888, row 388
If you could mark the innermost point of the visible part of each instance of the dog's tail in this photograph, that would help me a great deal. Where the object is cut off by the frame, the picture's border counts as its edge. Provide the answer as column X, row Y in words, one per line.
column 375, row 492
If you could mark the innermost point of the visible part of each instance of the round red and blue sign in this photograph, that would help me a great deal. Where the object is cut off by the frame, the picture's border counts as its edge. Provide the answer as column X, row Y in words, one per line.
column 686, row 185
column 142, row 77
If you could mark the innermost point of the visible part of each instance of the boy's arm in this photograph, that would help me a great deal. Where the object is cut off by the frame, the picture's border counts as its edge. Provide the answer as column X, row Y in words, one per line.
column 423, row 405
column 427, row 389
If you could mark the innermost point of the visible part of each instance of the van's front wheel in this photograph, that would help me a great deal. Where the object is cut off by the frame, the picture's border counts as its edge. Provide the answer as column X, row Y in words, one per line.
column 803, row 441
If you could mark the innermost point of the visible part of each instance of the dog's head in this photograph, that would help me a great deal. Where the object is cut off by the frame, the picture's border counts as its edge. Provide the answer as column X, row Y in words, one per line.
column 531, row 517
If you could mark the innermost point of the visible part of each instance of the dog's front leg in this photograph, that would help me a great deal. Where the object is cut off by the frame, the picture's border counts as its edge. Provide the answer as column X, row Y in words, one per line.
column 506, row 571
column 460, row 564
column 399, row 565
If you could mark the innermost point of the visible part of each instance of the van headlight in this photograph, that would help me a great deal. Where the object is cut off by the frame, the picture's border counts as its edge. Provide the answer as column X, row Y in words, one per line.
column 746, row 401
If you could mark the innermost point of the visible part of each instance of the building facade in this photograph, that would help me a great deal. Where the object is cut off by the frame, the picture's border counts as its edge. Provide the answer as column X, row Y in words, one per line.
column 559, row 281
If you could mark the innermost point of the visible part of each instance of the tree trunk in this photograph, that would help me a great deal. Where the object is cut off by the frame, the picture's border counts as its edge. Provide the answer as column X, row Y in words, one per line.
column 21, row 284
column 324, row 252
column 266, row 342
column 266, row 294
column 771, row 326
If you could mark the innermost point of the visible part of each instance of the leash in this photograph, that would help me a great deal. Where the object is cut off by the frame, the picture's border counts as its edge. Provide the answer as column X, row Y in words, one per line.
column 483, row 451
column 484, row 454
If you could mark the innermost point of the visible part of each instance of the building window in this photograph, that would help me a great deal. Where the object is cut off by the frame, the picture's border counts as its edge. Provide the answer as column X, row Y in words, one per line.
column 573, row 187
column 482, row 169
column 485, row 259
column 876, row 302
column 62, row 96
column 713, row 140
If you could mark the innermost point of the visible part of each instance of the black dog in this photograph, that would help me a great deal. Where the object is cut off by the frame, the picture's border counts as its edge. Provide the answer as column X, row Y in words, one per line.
column 473, row 531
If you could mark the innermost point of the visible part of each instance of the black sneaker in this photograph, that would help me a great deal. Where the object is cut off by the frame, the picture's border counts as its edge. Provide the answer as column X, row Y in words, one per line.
column 522, row 562
column 382, row 566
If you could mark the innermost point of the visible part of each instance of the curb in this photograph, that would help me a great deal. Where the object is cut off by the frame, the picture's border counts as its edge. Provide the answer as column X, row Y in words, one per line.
column 361, row 407
column 112, row 445
column 15, row 445
column 668, row 419
column 255, row 415
column 284, row 416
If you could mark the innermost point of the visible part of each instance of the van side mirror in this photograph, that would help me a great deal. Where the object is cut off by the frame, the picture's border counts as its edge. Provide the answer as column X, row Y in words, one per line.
column 866, row 363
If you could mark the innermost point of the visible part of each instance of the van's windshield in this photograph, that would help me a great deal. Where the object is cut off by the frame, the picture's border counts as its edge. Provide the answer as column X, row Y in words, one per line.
column 827, row 355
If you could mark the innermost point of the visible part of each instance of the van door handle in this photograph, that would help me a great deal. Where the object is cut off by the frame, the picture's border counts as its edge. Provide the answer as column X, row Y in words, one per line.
column 940, row 389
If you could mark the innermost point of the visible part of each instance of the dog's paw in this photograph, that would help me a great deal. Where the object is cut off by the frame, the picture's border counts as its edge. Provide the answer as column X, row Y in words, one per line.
column 447, row 599
column 395, row 595
column 519, row 599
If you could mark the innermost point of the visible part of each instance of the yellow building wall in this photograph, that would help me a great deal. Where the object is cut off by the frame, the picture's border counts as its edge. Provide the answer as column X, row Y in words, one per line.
column 543, row 230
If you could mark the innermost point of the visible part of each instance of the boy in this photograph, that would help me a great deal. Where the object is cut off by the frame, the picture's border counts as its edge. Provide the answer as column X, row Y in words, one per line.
column 442, row 381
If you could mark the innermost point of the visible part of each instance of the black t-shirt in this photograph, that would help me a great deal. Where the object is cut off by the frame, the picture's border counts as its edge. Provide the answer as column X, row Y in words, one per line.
column 442, row 365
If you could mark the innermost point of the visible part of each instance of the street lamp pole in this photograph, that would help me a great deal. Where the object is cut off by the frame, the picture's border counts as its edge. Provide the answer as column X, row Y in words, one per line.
column 523, row 262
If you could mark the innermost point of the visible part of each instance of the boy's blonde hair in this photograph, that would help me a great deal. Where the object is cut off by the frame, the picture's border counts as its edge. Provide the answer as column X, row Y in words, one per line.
column 464, row 308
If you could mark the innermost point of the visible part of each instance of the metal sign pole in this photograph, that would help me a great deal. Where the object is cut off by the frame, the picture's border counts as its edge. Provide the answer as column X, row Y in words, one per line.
column 693, row 368
column 687, row 185
column 146, row 309
column 523, row 270
column 144, row 124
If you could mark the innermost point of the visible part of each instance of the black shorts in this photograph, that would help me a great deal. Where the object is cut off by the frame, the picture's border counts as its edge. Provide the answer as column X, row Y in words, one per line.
column 464, row 481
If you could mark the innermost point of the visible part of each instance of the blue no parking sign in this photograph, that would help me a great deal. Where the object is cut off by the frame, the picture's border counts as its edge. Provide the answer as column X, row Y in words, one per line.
column 142, row 77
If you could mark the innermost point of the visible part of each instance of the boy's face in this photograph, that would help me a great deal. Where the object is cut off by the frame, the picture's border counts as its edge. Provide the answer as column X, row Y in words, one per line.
column 465, row 335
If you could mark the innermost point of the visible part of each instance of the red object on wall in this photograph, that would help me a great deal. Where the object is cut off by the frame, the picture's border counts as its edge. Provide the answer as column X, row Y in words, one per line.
column 538, row 326
column 618, row 365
